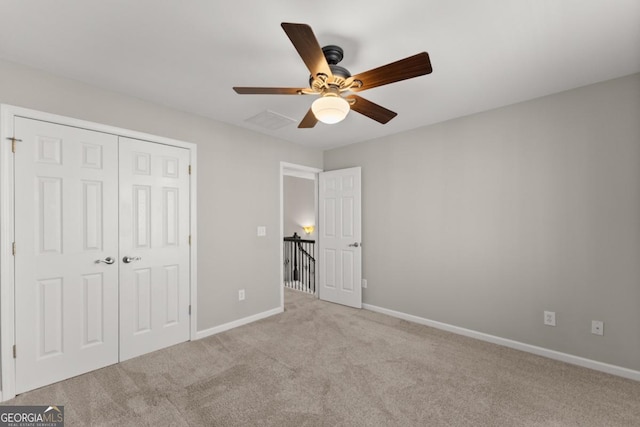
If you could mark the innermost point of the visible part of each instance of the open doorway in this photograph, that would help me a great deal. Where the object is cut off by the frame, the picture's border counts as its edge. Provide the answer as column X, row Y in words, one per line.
column 299, row 241
column 299, row 228
column 338, row 231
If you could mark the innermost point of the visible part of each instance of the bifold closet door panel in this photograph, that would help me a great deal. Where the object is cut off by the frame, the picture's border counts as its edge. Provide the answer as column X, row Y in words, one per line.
column 154, row 246
column 66, row 275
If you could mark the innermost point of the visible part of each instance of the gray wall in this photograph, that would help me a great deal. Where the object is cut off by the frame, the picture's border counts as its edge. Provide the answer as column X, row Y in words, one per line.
column 299, row 206
column 485, row 221
column 238, row 185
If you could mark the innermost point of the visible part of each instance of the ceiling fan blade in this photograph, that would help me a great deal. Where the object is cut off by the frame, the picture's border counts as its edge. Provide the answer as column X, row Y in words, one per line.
column 408, row 68
column 268, row 90
column 308, row 121
column 371, row 110
column 305, row 42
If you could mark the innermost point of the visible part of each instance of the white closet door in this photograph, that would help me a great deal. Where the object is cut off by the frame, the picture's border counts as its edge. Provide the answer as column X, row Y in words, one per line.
column 66, row 304
column 154, row 246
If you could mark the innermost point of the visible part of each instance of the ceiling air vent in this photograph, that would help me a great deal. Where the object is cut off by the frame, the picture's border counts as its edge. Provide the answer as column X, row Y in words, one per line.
column 270, row 120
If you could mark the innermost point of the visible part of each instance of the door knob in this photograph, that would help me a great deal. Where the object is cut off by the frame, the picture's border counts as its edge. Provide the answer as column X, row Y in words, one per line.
column 354, row 245
column 129, row 259
column 107, row 260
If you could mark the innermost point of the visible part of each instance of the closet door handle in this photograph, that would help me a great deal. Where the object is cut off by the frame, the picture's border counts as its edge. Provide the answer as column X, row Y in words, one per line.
column 129, row 259
column 107, row 260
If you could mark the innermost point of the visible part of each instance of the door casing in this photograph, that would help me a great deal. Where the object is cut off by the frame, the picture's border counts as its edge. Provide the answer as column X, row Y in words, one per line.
column 7, row 272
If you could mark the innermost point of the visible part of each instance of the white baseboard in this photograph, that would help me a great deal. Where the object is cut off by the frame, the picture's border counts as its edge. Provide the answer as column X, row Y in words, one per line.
column 540, row 351
column 225, row 327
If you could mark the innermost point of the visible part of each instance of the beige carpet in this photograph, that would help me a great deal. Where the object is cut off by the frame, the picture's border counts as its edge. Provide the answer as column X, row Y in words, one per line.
column 320, row 364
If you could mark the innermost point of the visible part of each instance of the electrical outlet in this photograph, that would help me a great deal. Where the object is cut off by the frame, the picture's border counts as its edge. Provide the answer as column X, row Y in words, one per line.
column 262, row 231
column 550, row 318
column 597, row 327
column 241, row 295
column 364, row 283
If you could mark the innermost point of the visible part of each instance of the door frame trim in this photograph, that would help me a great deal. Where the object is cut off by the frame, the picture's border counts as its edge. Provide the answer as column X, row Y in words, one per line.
column 292, row 169
column 7, row 273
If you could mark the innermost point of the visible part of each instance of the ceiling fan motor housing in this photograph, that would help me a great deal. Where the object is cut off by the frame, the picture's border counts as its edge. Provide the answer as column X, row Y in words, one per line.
column 334, row 54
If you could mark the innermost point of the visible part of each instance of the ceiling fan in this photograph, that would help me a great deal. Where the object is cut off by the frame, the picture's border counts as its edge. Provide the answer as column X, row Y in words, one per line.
column 333, row 82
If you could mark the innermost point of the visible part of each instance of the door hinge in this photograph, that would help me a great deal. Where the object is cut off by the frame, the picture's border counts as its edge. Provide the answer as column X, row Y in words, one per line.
column 13, row 143
column 189, row 309
column 13, row 248
column 189, row 239
column 14, row 351
column 189, row 169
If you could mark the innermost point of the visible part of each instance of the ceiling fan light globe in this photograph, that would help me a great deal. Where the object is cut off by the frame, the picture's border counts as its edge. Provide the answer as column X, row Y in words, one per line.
column 330, row 109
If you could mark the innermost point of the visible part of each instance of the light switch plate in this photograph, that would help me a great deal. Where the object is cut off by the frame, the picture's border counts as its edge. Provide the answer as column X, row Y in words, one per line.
column 262, row 231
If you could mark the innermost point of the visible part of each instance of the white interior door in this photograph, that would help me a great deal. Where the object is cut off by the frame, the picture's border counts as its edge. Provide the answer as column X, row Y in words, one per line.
column 340, row 237
column 154, row 246
column 66, row 313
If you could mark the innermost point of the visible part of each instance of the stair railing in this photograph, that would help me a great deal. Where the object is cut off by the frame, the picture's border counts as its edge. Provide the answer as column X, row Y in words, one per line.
column 299, row 264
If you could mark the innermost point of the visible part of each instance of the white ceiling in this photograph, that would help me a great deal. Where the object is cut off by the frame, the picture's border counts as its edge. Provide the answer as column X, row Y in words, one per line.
column 188, row 54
